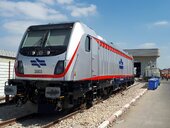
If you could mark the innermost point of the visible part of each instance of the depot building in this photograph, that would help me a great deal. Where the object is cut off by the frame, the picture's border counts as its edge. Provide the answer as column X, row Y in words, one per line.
column 7, row 59
column 143, row 58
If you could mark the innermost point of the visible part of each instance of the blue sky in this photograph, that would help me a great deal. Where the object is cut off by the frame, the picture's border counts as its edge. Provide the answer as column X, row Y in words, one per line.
column 128, row 23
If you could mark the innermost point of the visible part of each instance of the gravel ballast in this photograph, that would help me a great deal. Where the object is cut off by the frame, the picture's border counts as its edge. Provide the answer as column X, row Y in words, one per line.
column 93, row 117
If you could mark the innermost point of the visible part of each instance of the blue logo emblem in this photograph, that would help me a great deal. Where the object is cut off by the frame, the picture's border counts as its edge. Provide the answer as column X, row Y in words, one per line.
column 38, row 63
column 121, row 64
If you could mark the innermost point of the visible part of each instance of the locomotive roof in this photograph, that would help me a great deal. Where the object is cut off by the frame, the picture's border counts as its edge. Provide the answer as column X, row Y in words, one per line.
column 70, row 25
column 51, row 26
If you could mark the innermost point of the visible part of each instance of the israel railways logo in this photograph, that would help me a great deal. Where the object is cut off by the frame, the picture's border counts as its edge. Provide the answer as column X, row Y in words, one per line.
column 121, row 64
column 38, row 63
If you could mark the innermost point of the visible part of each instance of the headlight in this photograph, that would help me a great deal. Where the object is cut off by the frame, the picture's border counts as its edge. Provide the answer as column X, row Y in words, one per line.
column 59, row 68
column 19, row 67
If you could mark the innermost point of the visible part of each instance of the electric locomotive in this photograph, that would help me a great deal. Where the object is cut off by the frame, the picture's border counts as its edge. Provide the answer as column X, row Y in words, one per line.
column 60, row 66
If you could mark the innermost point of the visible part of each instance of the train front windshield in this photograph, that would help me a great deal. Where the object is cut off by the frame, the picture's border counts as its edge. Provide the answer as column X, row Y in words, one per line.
column 45, row 42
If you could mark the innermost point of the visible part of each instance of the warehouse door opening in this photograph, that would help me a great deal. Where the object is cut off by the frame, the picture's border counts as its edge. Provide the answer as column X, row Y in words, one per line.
column 137, row 67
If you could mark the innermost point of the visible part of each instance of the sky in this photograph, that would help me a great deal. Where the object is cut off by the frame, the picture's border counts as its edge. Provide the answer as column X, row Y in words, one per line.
column 130, row 24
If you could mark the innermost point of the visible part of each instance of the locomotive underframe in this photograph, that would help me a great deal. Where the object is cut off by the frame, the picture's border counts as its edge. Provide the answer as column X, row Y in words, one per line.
column 73, row 93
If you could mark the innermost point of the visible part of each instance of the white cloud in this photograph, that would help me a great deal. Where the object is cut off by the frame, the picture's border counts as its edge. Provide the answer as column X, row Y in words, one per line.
column 64, row 1
column 161, row 23
column 30, row 10
column 148, row 45
column 18, row 27
column 45, row 10
column 10, row 42
column 17, row 15
column 77, row 11
column 7, row 8
column 50, row 2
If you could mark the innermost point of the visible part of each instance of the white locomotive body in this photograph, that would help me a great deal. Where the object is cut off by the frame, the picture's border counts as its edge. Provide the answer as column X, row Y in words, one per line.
column 68, row 64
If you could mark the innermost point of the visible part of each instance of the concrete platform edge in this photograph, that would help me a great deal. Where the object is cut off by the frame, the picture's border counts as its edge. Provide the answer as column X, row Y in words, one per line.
column 118, row 113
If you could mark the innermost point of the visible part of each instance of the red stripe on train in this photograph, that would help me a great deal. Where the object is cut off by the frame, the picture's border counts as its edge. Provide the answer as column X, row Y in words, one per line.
column 108, row 47
column 109, row 77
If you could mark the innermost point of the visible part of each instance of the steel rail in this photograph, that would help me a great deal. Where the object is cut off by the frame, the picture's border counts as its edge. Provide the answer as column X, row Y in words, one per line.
column 60, row 119
column 14, row 120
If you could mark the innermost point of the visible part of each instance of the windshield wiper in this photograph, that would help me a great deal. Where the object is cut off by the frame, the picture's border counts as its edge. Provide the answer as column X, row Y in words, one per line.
column 41, row 42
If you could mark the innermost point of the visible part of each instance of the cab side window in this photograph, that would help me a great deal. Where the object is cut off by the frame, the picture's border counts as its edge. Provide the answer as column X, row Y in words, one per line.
column 87, row 44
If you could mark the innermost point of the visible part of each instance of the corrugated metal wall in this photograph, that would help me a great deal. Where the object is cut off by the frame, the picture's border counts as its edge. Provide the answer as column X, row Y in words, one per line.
column 4, row 74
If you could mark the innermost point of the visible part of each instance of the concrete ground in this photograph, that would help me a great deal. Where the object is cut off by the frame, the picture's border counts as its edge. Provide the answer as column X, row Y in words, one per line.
column 151, row 111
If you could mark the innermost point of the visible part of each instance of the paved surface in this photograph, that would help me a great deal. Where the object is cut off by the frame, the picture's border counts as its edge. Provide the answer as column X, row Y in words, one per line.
column 151, row 111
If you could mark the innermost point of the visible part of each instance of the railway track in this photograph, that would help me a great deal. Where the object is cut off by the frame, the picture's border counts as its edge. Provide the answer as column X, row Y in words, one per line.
column 48, row 125
column 14, row 120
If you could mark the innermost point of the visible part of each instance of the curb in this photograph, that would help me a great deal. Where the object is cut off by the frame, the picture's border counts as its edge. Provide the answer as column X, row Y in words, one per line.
column 118, row 113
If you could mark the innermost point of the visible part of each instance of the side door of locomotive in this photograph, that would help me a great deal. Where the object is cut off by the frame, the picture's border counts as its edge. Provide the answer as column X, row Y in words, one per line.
column 94, row 58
